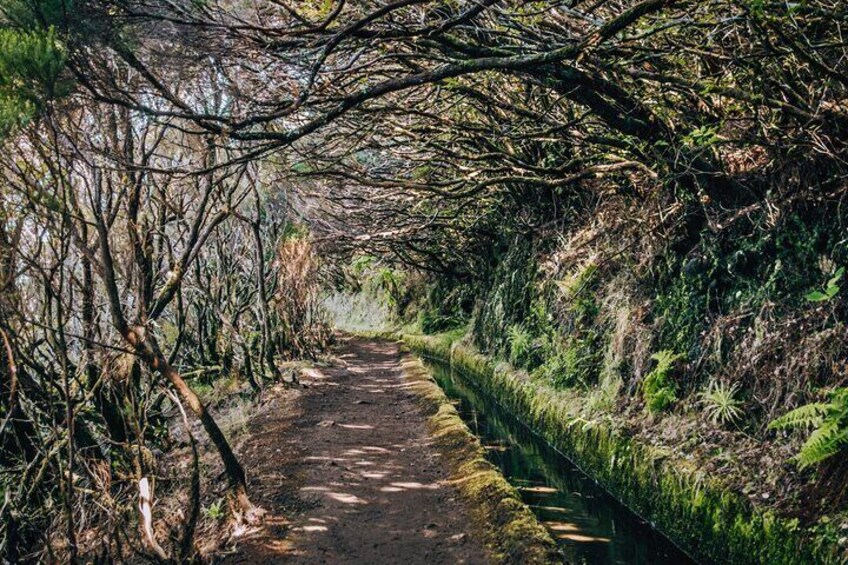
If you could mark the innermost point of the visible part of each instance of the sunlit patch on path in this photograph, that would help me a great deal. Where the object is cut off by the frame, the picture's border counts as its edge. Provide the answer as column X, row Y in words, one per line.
column 367, row 485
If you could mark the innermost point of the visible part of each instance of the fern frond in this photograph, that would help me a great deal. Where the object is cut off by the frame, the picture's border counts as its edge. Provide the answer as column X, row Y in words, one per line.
column 665, row 360
column 807, row 416
column 825, row 442
column 831, row 422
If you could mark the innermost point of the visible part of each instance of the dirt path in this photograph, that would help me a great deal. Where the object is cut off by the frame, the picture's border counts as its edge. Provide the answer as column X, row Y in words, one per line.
column 346, row 470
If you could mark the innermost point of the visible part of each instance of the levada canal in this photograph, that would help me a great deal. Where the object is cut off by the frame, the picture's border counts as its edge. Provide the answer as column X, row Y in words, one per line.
column 590, row 526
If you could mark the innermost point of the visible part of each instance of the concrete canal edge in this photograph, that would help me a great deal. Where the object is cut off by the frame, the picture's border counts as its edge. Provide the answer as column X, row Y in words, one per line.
column 508, row 527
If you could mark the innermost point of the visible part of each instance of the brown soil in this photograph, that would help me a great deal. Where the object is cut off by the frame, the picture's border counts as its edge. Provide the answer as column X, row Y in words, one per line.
column 347, row 472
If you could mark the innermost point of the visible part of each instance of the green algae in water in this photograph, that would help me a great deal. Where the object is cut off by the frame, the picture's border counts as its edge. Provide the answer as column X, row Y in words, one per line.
column 590, row 526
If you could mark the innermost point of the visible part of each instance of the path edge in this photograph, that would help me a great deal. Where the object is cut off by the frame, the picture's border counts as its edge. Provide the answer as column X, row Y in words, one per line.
column 506, row 524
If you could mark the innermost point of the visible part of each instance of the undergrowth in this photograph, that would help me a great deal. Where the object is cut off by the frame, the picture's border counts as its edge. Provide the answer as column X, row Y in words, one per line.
column 658, row 388
column 829, row 422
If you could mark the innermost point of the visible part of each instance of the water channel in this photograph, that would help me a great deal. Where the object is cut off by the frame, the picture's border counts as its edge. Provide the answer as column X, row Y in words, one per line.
column 591, row 526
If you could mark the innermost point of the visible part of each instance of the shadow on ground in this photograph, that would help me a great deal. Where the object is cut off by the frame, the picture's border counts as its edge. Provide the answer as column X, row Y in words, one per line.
column 346, row 470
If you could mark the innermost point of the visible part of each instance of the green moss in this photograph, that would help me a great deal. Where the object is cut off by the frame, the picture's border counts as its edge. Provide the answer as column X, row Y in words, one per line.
column 712, row 524
column 509, row 527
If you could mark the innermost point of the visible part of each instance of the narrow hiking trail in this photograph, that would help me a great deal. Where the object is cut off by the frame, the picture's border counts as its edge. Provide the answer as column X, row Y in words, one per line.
column 346, row 470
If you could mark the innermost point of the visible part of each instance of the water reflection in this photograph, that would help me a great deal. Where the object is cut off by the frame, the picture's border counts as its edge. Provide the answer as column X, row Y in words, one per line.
column 590, row 526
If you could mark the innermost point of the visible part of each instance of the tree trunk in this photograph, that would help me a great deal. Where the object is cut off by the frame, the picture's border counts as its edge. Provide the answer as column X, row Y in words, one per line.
column 148, row 350
column 268, row 352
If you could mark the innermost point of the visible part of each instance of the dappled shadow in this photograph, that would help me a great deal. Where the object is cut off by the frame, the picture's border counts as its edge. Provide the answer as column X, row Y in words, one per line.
column 373, row 487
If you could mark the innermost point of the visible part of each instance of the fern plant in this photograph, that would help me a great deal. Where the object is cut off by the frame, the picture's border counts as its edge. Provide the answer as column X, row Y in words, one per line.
column 721, row 404
column 520, row 346
column 829, row 421
column 658, row 390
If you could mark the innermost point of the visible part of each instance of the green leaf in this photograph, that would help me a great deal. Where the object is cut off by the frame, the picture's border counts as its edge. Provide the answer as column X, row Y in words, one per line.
column 810, row 415
column 824, row 442
column 836, row 276
column 830, row 428
column 831, row 289
column 30, row 67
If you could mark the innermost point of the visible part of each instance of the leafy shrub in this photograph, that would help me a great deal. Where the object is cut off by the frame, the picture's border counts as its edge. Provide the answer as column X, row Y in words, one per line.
column 31, row 64
column 391, row 283
column 658, row 390
column 559, row 367
column 721, row 404
column 577, row 361
column 570, row 309
column 830, row 420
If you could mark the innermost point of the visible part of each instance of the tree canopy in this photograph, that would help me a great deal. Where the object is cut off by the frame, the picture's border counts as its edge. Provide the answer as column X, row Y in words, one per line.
column 161, row 160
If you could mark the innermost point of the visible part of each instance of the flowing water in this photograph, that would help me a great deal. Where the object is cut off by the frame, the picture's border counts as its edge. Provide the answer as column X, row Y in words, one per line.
column 589, row 525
